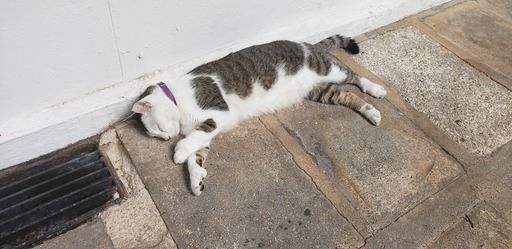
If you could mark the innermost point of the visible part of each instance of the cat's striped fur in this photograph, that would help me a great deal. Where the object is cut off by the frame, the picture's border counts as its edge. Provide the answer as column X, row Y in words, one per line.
column 217, row 95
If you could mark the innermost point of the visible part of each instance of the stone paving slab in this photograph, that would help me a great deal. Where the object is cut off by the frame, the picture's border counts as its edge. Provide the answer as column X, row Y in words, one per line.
column 478, row 32
column 483, row 227
column 89, row 235
column 471, row 108
column 501, row 7
column 388, row 169
column 255, row 195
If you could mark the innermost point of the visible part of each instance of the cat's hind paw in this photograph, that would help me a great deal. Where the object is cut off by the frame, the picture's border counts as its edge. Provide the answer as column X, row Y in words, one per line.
column 377, row 91
column 374, row 90
column 371, row 113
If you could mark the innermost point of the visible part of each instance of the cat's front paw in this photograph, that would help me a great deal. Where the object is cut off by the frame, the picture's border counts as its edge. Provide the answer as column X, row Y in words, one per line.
column 197, row 174
column 371, row 113
column 181, row 152
column 180, row 156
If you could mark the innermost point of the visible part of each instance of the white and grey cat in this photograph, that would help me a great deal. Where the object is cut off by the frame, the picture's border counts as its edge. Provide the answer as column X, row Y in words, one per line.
column 218, row 95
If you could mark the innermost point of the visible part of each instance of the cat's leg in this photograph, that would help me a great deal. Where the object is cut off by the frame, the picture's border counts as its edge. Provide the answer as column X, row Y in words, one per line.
column 194, row 141
column 196, row 170
column 331, row 93
column 152, row 127
column 366, row 86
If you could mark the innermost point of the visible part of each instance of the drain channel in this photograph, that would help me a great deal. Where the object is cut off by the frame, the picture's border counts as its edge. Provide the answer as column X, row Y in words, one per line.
column 46, row 199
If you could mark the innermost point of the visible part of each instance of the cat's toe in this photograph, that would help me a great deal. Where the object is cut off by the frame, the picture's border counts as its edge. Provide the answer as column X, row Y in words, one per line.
column 371, row 113
column 197, row 190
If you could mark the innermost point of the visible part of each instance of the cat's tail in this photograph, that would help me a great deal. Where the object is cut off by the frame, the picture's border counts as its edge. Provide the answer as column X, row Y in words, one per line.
column 338, row 41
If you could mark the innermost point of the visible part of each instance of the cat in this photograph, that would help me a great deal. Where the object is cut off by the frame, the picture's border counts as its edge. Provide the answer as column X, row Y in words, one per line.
column 216, row 96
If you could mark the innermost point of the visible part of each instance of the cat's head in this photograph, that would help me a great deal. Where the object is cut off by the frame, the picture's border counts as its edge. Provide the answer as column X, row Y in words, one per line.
column 160, row 115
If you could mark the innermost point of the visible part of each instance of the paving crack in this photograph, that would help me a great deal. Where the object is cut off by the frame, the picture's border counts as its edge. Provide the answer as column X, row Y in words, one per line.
column 466, row 217
column 456, row 221
column 412, row 208
column 297, row 137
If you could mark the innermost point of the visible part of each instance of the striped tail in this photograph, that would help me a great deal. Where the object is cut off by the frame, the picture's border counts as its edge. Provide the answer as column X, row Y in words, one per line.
column 338, row 41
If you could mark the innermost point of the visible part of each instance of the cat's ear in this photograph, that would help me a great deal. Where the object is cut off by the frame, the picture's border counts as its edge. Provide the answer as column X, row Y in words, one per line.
column 141, row 106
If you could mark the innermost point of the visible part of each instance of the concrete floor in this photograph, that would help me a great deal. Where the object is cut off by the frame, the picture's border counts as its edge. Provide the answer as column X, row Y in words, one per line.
column 437, row 172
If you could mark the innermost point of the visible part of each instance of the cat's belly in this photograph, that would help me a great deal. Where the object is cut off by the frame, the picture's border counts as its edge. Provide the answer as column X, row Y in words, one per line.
column 286, row 91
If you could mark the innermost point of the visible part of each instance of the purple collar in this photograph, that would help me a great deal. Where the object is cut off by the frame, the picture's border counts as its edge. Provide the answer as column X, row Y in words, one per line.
column 167, row 92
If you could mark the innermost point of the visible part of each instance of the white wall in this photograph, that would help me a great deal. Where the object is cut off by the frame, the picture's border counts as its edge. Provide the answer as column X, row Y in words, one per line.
column 60, row 59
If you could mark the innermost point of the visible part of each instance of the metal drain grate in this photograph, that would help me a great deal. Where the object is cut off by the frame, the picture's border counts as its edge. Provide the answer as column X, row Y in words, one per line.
column 47, row 198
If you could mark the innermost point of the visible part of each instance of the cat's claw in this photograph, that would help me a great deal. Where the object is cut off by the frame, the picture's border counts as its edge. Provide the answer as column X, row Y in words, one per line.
column 371, row 113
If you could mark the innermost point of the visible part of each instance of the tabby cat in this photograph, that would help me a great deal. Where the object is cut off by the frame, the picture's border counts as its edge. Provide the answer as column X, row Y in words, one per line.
column 216, row 96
